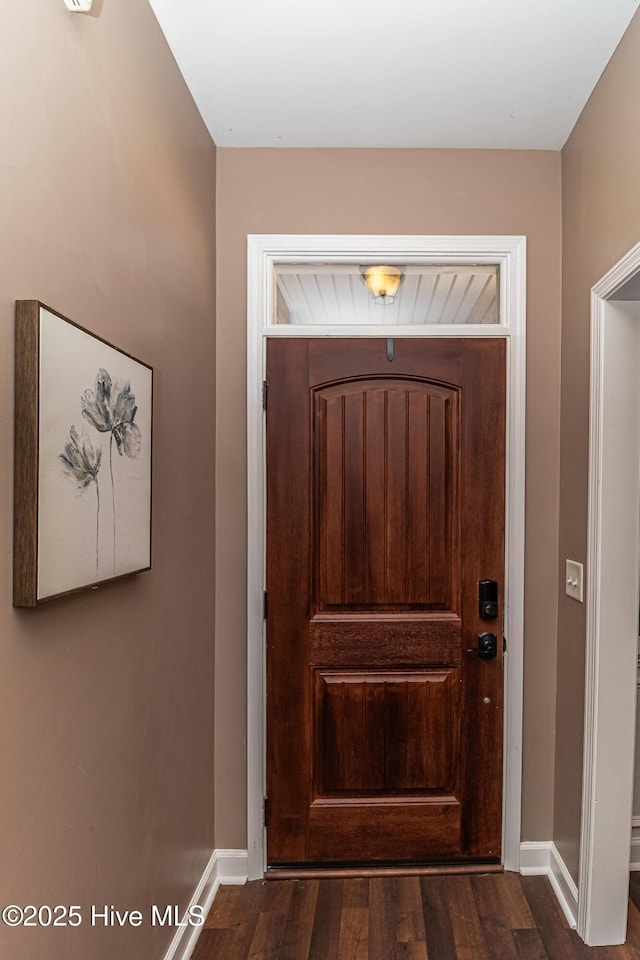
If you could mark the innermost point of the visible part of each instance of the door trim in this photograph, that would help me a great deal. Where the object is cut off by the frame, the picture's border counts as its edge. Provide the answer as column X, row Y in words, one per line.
column 612, row 610
column 263, row 252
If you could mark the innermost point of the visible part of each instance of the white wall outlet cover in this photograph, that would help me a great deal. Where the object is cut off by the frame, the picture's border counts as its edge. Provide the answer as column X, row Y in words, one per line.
column 78, row 6
column 573, row 580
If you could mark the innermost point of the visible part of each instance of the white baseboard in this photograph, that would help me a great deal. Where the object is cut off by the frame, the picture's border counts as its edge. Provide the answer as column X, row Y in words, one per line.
column 224, row 867
column 635, row 844
column 535, row 858
column 543, row 859
column 564, row 886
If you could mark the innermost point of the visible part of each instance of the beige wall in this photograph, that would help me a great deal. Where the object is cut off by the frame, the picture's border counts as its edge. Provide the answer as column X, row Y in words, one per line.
column 429, row 192
column 601, row 221
column 107, row 207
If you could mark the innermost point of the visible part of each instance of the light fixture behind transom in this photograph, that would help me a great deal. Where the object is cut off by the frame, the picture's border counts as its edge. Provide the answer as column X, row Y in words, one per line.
column 383, row 282
column 78, row 6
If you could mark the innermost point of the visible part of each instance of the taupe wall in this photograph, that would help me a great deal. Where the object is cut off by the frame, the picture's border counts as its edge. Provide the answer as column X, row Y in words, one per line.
column 601, row 222
column 387, row 192
column 107, row 200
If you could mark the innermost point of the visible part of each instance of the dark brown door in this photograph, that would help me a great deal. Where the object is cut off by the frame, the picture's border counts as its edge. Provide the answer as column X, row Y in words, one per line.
column 385, row 508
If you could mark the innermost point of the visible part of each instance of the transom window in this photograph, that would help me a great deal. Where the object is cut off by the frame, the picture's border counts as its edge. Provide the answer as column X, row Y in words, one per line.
column 427, row 294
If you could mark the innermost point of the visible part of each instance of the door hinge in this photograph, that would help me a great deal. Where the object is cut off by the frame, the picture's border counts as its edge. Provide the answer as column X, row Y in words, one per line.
column 265, row 605
column 265, row 804
column 504, row 644
column 265, row 390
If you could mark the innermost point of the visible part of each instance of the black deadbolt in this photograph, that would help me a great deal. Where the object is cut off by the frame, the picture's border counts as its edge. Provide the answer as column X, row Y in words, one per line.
column 488, row 599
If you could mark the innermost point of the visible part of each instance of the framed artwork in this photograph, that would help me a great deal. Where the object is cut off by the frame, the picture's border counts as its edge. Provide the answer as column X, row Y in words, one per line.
column 83, row 442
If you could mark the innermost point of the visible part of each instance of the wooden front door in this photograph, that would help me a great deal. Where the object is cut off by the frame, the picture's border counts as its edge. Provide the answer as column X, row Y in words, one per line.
column 385, row 508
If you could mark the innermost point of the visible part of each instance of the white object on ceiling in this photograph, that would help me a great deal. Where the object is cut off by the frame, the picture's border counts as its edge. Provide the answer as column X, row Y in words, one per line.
column 78, row 6
column 505, row 74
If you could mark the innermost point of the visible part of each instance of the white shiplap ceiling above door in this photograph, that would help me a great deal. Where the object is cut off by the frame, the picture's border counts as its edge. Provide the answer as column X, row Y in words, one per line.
column 335, row 294
column 505, row 74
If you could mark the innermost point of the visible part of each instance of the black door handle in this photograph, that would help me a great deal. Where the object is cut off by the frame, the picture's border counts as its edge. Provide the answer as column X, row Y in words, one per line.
column 487, row 646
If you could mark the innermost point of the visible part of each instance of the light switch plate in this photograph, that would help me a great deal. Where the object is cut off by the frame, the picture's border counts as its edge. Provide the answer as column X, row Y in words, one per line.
column 573, row 580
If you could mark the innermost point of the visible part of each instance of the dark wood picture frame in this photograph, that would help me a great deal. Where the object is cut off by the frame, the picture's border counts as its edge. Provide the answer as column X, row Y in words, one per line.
column 56, row 462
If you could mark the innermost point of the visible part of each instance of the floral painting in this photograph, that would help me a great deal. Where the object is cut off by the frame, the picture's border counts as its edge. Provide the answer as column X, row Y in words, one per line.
column 93, row 480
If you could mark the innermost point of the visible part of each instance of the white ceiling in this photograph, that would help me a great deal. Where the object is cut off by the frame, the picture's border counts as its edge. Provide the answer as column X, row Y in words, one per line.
column 404, row 73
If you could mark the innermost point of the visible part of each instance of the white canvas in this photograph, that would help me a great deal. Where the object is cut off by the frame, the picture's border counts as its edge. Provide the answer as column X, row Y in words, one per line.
column 94, row 469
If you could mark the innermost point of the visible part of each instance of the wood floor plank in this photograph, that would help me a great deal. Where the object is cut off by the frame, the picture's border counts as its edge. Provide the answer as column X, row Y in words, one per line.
column 326, row 929
column 270, row 928
column 513, row 901
column 496, row 925
column 356, row 892
column 415, row 951
column 262, row 937
column 634, row 888
column 224, row 909
column 549, row 920
column 528, row 945
column 440, row 941
column 465, row 921
column 354, row 934
column 383, row 943
column 296, row 942
column 633, row 926
column 236, row 939
column 410, row 930
column 210, row 943
column 596, row 953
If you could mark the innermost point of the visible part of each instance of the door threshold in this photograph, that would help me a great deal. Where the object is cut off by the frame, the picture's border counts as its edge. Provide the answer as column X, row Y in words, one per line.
column 334, row 872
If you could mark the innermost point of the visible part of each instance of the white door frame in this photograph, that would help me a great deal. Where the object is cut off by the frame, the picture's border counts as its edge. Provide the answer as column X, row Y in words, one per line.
column 264, row 251
column 612, row 610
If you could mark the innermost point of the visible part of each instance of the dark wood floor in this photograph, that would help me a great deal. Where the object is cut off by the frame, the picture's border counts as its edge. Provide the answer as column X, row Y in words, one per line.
column 484, row 917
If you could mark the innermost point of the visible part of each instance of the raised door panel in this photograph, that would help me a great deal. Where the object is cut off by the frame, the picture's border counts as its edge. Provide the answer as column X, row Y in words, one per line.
column 386, row 733
column 386, row 475
column 372, row 830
